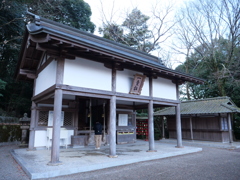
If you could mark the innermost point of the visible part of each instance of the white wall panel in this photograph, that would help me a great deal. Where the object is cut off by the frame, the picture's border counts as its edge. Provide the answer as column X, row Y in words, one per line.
column 164, row 88
column 41, row 138
column 46, row 78
column 125, row 79
column 88, row 74
column 145, row 88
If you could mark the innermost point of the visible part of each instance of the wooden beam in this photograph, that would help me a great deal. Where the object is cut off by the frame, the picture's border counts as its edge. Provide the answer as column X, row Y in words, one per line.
column 41, row 95
column 29, row 73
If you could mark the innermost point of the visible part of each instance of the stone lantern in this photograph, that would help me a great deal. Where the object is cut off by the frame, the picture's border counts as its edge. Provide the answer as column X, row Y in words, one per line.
column 25, row 124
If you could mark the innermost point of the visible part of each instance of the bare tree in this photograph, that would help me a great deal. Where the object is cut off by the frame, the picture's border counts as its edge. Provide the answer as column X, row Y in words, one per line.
column 208, row 27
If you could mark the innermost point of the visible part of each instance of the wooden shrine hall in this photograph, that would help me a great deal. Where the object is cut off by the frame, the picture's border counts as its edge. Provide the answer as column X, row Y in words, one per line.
column 80, row 78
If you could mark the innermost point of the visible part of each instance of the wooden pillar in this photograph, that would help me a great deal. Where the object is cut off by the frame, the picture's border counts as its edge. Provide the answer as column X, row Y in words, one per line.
column 191, row 130
column 57, row 115
column 178, row 126
column 163, row 129
column 112, row 128
column 90, row 118
column 32, row 127
column 230, row 128
column 150, row 119
column 150, row 127
column 112, row 119
column 75, row 121
column 178, row 120
column 56, row 128
column 134, row 122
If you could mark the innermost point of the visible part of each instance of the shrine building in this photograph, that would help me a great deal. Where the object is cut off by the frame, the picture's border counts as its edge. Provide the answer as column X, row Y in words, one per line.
column 80, row 78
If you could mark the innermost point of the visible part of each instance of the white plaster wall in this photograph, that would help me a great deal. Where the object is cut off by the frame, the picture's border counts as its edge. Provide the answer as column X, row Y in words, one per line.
column 124, row 82
column 41, row 138
column 164, row 88
column 46, row 78
column 88, row 74
column 145, row 88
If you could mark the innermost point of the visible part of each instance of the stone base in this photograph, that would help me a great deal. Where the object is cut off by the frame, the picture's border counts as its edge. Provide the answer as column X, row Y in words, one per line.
column 55, row 164
column 113, row 156
column 151, row 151
column 23, row 145
column 179, row 146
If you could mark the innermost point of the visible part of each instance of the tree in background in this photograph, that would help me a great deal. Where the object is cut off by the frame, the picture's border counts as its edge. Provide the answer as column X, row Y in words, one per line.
column 11, row 23
column 133, row 32
column 75, row 13
column 209, row 31
column 213, row 71
column 139, row 31
column 15, row 97
column 2, row 86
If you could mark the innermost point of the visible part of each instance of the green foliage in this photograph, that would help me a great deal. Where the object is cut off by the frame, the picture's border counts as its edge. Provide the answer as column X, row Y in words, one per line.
column 157, row 128
column 11, row 31
column 2, row 86
column 10, row 133
column 236, row 126
column 133, row 32
column 15, row 97
column 221, row 73
column 113, row 32
column 137, row 35
column 75, row 13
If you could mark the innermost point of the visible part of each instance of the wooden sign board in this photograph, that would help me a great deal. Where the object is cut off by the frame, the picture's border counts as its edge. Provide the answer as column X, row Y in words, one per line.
column 137, row 84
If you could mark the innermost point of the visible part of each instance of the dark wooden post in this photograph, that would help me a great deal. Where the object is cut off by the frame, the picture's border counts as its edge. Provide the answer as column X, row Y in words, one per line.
column 134, row 122
column 57, row 112
column 33, row 122
column 163, row 128
column 75, row 121
column 191, row 129
column 230, row 128
column 32, row 126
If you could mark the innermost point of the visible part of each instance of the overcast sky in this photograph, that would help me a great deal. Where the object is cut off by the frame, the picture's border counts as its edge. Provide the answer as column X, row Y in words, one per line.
column 119, row 8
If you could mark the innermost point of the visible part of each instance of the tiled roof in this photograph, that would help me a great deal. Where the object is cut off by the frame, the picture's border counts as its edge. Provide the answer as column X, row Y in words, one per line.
column 203, row 106
column 45, row 35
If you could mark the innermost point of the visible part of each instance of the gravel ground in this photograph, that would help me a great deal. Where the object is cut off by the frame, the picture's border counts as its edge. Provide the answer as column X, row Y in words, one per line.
column 210, row 164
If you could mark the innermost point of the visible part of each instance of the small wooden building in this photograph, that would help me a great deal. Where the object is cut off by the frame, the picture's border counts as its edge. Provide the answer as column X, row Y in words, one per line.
column 80, row 78
column 206, row 119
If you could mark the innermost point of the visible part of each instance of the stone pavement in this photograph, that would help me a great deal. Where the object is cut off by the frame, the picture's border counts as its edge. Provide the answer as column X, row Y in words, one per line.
column 84, row 159
column 234, row 145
